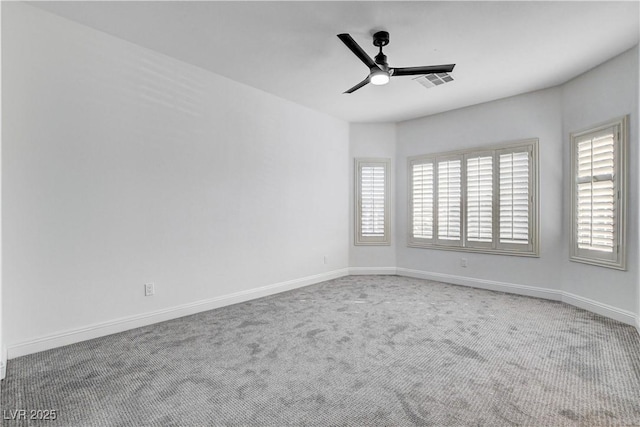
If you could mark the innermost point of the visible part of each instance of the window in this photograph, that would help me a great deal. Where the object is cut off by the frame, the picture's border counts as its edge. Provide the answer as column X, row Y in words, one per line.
column 599, row 195
column 482, row 200
column 449, row 196
column 479, row 215
column 422, row 196
column 372, row 201
column 515, row 199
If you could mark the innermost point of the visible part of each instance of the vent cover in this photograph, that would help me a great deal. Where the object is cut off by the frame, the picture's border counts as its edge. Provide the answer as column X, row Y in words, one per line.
column 433, row 80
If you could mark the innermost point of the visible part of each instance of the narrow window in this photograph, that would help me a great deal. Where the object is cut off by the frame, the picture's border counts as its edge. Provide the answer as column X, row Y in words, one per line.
column 515, row 198
column 449, row 201
column 479, row 200
column 598, row 195
column 422, row 197
column 372, row 202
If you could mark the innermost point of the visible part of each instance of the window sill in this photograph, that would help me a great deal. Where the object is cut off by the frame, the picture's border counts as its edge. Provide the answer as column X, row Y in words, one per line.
column 599, row 263
column 372, row 243
column 530, row 254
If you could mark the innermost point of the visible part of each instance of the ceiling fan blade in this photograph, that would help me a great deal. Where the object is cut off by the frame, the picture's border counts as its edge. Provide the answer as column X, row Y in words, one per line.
column 358, row 86
column 357, row 50
column 431, row 69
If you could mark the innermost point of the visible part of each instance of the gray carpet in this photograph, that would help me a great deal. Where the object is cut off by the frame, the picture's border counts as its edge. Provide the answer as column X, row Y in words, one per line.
column 356, row 351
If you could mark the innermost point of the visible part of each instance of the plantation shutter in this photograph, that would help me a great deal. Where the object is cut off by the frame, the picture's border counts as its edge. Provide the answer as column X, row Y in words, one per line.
column 372, row 202
column 482, row 200
column 449, row 198
column 599, row 174
column 422, row 196
column 596, row 193
column 479, row 200
column 515, row 198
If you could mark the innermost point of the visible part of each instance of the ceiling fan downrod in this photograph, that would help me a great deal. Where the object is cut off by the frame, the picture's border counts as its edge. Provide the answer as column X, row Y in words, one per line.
column 380, row 39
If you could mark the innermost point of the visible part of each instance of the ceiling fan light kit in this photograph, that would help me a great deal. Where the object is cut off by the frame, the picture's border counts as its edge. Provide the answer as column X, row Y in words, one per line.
column 379, row 77
column 379, row 71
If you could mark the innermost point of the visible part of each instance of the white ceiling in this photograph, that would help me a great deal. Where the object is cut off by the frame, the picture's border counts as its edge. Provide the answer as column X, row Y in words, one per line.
column 290, row 49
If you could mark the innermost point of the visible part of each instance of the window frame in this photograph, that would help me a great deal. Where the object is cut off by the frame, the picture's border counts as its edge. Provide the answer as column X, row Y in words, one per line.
column 531, row 250
column 359, row 239
column 618, row 259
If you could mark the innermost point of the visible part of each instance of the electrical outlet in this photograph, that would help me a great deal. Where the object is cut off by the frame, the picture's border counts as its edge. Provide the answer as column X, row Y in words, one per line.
column 463, row 262
column 149, row 289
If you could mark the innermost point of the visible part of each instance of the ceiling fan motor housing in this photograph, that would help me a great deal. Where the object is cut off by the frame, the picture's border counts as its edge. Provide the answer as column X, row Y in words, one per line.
column 381, row 60
column 381, row 38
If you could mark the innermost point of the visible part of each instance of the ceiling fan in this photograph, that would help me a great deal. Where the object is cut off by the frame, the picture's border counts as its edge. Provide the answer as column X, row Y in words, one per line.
column 379, row 70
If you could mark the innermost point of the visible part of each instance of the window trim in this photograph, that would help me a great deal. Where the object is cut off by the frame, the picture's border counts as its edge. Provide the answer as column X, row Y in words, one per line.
column 533, row 249
column 359, row 239
column 621, row 172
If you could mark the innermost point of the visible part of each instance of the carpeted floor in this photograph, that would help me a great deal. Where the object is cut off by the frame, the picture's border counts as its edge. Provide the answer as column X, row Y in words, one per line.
column 355, row 351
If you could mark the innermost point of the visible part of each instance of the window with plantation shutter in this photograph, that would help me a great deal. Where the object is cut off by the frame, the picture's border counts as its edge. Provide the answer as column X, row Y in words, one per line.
column 515, row 201
column 449, row 201
column 596, row 190
column 422, row 196
column 372, row 201
column 481, row 200
column 598, row 178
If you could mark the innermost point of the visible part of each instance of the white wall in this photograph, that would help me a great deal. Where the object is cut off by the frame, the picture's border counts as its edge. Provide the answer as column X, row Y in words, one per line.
column 534, row 115
column 123, row 166
column 607, row 92
column 376, row 140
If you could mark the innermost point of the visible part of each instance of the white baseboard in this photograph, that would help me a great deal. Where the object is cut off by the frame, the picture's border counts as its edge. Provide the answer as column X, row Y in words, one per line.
column 606, row 310
column 638, row 323
column 602, row 309
column 359, row 271
column 492, row 285
column 101, row 329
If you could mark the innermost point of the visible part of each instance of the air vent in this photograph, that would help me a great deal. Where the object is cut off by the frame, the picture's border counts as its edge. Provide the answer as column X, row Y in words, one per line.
column 433, row 80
